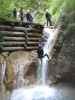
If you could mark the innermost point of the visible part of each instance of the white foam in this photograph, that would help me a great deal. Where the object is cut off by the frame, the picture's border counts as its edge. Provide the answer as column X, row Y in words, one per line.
column 40, row 92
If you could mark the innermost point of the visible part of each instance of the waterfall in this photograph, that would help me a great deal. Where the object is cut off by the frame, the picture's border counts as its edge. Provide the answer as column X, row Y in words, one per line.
column 42, row 91
column 50, row 35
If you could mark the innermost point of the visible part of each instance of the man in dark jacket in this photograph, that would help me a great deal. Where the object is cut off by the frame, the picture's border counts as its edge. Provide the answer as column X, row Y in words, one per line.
column 21, row 14
column 29, row 17
column 48, row 18
column 14, row 13
column 40, row 53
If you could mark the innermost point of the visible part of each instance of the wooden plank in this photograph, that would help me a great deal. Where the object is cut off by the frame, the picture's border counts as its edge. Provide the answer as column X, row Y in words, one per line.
column 31, row 35
column 12, row 49
column 10, row 44
column 13, row 35
column 7, row 49
column 34, row 31
column 18, row 23
column 32, row 43
column 10, row 33
column 20, row 29
column 34, row 39
column 9, row 28
column 31, row 48
column 19, row 39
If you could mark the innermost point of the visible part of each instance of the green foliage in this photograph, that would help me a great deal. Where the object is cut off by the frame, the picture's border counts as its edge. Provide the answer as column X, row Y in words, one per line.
column 61, row 7
column 56, row 7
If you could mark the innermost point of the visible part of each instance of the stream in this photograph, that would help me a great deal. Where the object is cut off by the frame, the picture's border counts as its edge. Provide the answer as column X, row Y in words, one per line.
column 43, row 91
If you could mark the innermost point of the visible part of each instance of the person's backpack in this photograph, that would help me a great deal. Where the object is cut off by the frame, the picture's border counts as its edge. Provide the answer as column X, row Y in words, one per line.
column 29, row 17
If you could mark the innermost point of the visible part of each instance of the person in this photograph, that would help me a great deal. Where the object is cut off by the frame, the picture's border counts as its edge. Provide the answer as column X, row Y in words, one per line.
column 40, row 52
column 14, row 13
column 48, row 18
column 21, row 14
column 29, row 17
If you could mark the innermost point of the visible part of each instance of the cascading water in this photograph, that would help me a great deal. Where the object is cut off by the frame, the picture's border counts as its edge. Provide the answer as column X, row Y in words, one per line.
column 42, row 91
column 49, row 35
column 45, row 59
column 3, row 68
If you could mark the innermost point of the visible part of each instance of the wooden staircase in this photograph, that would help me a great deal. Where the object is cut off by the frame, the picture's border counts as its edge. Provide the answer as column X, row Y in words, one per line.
column 16, row 36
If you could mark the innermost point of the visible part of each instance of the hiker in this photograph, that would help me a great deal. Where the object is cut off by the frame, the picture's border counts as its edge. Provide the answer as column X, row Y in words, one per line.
column 48, row 18
column 14, row 13
column 29, row 17
column 40, row 53
column 21, row 14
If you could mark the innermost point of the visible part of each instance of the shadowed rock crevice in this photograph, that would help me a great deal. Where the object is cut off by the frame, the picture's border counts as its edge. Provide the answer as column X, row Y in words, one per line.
column 62, row 66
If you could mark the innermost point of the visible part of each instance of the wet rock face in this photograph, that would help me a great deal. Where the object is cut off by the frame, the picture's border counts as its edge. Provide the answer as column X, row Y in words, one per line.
column 24, row 65
column 64, row 65
column 26, row 69
column 31, row 74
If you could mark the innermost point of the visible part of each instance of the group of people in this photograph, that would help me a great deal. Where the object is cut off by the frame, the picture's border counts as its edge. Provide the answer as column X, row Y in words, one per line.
column 29, row 16
column 21, row 15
